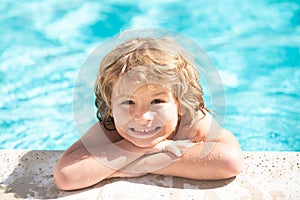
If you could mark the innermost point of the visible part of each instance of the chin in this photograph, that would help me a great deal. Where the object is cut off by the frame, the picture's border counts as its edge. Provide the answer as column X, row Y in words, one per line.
column 147, row 143
column 144, row 144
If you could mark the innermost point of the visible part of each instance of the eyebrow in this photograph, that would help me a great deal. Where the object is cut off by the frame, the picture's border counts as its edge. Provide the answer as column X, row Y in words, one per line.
column 131, row 96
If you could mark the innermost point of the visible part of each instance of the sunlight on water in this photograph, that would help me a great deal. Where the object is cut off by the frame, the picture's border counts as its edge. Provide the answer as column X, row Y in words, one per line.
column 255, row 45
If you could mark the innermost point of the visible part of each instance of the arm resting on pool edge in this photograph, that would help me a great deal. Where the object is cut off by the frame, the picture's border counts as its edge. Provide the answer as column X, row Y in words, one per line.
column 78, row 168
column 216, row 155
column 224, row 160
column 86, row 162
column 96, row 156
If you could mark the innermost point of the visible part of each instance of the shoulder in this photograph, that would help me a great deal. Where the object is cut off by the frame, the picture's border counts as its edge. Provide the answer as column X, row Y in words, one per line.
column 188, row 130
column 199, row 129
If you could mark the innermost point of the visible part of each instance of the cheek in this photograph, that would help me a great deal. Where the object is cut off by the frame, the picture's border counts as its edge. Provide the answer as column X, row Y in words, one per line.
column 171, row 110
column 168, row 114
column 120, row 116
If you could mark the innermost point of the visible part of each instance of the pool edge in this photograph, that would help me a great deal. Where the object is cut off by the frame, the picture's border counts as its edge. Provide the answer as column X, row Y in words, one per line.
column 266, row 175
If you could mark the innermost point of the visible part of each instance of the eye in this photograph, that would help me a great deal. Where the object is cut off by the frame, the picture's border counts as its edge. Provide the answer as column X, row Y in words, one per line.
column 157, row 101
column 128, row 102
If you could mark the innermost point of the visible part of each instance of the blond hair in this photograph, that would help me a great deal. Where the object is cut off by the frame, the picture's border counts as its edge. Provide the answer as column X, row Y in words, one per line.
column 161, row 59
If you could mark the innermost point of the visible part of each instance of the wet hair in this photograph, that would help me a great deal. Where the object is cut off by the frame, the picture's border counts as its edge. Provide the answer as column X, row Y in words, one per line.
column 150, row 59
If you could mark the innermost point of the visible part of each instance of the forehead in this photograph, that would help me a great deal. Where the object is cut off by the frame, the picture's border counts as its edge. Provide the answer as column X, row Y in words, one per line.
column 150, row 78
column 125, row 87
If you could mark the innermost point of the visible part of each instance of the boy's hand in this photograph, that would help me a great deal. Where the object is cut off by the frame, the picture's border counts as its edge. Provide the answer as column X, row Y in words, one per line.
column 176, row 147
column 127, row 174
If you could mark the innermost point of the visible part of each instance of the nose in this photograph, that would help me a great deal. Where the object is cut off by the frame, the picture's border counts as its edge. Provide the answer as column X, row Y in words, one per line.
column 142, row 116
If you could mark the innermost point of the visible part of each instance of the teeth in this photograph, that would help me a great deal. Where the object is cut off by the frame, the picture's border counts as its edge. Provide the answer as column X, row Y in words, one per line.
column 144, row 130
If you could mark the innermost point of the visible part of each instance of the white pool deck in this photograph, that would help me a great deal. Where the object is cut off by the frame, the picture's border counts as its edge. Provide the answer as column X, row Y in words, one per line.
column 27, row 174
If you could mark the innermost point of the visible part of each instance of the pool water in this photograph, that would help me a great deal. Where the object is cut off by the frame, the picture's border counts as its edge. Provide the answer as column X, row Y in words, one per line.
column 254, row 44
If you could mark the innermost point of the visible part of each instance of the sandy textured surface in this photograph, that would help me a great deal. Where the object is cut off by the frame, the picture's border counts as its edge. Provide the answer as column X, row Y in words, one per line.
column 267, row 175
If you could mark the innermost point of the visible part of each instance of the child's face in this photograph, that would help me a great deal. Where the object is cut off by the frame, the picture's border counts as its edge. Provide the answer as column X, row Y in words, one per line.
column 144, row 114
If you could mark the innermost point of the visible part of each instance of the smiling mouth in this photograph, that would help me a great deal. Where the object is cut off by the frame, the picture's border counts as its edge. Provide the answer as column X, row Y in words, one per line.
column 144, row 132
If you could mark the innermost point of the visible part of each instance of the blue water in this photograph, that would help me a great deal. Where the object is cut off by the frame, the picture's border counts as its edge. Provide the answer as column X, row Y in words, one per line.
column 254, row 44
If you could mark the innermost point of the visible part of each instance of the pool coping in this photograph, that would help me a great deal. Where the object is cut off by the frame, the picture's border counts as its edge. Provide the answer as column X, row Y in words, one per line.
column 266, row 175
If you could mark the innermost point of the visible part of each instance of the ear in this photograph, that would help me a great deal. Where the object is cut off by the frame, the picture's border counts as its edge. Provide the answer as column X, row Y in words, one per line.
column 179, row 110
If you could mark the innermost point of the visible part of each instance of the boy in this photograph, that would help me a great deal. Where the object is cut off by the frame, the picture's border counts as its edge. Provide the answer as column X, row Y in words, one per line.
column 152, row 119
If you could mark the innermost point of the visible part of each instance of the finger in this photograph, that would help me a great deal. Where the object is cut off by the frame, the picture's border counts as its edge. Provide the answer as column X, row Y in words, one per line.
column 182, row 144
column 174, row 149
column 185, row 144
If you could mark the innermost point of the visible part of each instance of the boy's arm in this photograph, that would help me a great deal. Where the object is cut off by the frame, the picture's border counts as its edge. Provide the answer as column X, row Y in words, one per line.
column 82, row 168
column 208, row 160
column 216, row 152
column 223, row 160
column 94, row 157
column 216, row 155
